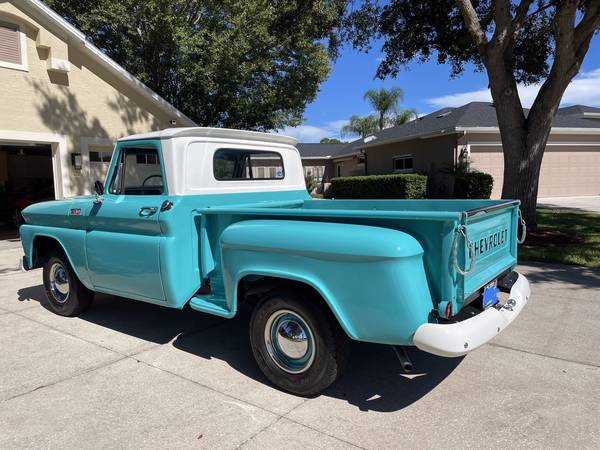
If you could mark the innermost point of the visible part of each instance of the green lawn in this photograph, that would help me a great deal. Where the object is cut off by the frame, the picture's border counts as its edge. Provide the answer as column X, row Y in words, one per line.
column 564, row 237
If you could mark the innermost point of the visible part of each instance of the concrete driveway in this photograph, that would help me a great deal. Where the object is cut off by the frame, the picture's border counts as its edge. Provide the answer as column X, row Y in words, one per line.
column 587, row 204
column 128, row 374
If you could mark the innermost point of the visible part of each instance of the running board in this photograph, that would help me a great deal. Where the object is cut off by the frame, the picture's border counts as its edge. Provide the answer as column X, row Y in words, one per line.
column 212, row 304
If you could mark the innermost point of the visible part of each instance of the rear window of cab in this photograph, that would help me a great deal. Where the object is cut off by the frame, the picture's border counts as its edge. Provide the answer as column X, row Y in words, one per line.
column 237, row 164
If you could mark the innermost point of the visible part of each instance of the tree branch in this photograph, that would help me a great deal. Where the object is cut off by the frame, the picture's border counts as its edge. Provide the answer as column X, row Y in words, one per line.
column 502, row 38
column 521, row 15
column 589, row 23
column 473, row 25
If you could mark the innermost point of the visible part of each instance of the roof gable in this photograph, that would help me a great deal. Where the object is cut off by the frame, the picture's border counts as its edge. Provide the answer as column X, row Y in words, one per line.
column 54, row 22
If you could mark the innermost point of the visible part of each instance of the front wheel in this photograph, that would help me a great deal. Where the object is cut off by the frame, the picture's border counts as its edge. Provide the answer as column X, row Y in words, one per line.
column 67, row 296
column 296, row 342
column 17, row 218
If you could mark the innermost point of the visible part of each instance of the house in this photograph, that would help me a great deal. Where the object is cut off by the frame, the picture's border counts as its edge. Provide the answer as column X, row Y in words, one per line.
column 436, row 142
column 325, row 161
column 63, row 104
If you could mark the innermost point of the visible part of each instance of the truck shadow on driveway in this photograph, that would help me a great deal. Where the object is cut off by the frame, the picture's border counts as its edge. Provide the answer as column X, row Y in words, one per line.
column 373, row 380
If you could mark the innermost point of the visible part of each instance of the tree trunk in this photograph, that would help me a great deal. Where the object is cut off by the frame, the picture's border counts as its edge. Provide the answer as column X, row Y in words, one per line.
column 522, row 164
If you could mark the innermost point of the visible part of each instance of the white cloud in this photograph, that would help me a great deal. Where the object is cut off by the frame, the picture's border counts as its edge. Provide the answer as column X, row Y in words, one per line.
column 312, row 133
column 585, row 89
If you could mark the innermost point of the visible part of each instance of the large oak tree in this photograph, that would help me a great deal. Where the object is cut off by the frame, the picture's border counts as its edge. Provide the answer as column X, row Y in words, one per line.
column 531, row 41
column 251, row 64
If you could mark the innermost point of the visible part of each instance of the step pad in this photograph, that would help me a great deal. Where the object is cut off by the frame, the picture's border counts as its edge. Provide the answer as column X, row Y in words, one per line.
column 211, row 304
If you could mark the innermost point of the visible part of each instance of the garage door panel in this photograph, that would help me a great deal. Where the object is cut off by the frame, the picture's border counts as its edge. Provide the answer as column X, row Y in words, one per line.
column 566, row 171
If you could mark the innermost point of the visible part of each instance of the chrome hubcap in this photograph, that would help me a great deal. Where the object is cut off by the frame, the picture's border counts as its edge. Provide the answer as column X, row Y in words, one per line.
column 59, row 283
column 289, row 341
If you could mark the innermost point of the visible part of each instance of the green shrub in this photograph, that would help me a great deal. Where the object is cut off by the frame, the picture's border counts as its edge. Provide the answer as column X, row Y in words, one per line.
column 311, row 183
column 473, row 185
column 409, row 185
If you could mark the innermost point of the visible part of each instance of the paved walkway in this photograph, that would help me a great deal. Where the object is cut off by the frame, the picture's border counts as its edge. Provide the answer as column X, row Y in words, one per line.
column 131, row 375
column 588, row 204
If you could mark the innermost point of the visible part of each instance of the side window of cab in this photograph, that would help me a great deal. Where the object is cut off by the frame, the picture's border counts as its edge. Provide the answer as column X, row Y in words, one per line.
column 138, row 172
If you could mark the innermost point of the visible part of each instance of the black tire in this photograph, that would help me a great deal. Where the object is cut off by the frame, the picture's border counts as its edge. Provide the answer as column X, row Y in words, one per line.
column 324, row 351
column 16, row 218
column 67, row 296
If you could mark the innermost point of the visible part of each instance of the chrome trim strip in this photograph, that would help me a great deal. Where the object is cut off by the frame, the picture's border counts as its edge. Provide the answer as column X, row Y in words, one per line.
column 485, row 209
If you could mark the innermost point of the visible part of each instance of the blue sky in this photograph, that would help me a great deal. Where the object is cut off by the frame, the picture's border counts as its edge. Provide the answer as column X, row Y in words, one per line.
column 427, row 87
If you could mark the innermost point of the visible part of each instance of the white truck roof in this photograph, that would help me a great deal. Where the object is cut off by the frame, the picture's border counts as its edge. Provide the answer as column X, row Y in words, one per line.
column 226, row 133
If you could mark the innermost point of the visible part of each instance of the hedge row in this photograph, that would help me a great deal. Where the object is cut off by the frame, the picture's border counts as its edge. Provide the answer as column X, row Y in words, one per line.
column 473, row 185
column 380, row 186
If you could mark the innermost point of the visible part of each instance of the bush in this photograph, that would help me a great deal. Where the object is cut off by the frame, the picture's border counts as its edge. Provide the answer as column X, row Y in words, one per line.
column 473, row 185
column 380, row 186
column 311, row 183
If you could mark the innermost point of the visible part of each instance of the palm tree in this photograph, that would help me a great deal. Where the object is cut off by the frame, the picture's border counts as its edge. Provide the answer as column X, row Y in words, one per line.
column 403, row 116
column 385, row 102
column 363, row 126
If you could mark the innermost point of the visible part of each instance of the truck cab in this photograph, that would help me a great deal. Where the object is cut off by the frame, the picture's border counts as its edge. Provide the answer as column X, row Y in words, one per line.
column 212, row 217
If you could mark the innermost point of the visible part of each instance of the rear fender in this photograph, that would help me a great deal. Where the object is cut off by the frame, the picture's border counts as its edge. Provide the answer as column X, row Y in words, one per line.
column 371, row 278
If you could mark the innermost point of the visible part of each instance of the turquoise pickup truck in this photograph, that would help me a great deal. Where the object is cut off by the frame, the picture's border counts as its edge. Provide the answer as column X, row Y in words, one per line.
column 211, row 218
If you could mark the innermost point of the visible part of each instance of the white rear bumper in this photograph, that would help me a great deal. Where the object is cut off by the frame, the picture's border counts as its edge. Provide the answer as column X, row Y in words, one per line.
column 460, row 338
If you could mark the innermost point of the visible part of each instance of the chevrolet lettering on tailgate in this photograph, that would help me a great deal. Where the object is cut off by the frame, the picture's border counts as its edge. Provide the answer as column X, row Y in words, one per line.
column 489, row 243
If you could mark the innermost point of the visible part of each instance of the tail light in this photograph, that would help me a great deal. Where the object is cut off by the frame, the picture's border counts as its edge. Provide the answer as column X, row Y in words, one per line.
column 448, row 310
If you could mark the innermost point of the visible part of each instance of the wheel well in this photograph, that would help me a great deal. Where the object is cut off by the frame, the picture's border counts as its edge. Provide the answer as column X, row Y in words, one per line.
column 43, row 248
column 252, row 287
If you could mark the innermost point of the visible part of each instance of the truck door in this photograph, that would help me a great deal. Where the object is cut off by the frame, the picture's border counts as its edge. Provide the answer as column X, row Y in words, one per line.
column 123, row 236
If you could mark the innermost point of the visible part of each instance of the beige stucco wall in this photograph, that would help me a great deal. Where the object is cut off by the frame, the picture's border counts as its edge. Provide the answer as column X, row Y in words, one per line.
column 428, row 154
column 83, row 106
column 349, row 167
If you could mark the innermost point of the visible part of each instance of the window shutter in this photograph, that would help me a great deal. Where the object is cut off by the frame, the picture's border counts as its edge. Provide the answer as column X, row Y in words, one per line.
column 10, row 48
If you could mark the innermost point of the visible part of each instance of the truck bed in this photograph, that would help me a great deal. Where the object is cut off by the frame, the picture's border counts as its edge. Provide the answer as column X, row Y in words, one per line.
column 490, row 226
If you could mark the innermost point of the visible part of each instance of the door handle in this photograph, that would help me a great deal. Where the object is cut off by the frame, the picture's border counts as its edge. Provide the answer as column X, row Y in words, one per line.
column 146, row 211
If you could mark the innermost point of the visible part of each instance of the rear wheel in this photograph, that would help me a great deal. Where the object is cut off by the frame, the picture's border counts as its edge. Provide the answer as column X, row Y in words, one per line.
column 67, row 296
column 296, row 342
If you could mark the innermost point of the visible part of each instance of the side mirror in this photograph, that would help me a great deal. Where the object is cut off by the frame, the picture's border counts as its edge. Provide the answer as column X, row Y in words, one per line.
column 99, row 188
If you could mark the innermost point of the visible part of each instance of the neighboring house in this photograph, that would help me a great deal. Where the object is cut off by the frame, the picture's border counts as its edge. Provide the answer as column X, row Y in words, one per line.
column 435, row 143
column 63, row 104
column 325, row 161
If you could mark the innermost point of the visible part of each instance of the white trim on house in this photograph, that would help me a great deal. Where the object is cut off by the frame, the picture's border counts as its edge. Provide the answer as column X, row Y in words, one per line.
column 316, row 157
column 554, row 130
column 36, row 7
column 24, row 66
column 591, row 115
column 60, row 155
column 554, row 144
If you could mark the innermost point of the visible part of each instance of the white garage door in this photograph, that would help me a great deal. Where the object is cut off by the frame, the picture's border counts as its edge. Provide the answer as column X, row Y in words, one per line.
column 566, row 170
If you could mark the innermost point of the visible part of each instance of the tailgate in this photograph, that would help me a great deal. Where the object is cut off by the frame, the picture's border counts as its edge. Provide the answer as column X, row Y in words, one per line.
column 492, row 233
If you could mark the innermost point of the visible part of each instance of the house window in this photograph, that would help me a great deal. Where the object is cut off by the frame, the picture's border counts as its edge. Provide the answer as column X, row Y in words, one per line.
column 315, row 172
column 103, row 157
column 338, row 169
column 13, row 47
column 403, row 163
column 234, row 164
column 146, row 158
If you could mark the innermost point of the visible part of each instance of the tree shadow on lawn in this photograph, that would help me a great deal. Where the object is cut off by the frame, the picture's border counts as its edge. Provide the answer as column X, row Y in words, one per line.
column 373, row 380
